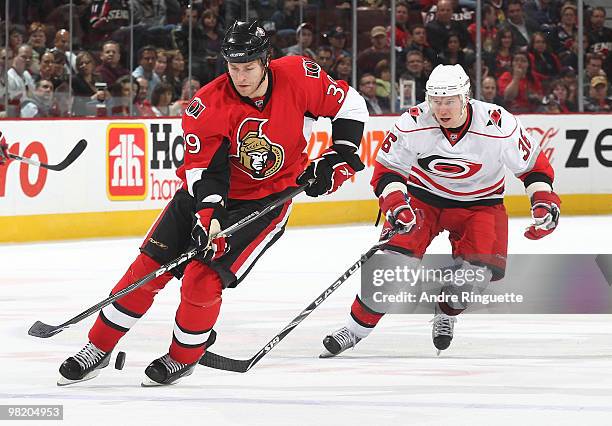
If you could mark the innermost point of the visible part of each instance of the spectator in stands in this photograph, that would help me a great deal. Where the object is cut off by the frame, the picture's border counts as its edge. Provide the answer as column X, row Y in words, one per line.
column 175, row 73
column 5, row 58
column 180, row 34
column 564, row 35
column 46, row 71
column 276, row 51
column 110, row 70
column 367, row 89
column 146, row 61
column 544, row 12
column 337, row 40
column 324, row 58
column 415, row 72
column 556, row 100
column 62, row 43
column 598, row 100
column 543, row 60
column 16, row 38
column 209, row 47
column 59, row 74
column 419, row 42
column 499, row 60
column 142, row 105
column 382, row 72
column 521, row 88
column 161, row 99
column 343, row 69
column 379, row 50
column 88, row 88
column 593, row 67
column 38, row 42
column 289, row 17
column 41, row 101
column 599, row 36
column 489, row 91
column 568, row 76
column 402, row 34
column 454, row 54
column 20, row 83
column 438, row 29
column 189, row 88
column 522, row 27
column 161, row 64
column 488, row 29
column 123, row 94
column 304, row 37
column 108, row 16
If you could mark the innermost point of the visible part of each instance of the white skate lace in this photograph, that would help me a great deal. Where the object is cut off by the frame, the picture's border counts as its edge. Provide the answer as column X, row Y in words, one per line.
column 345, row 338
column 171, row 365
column 89, row 356
column 443, row 325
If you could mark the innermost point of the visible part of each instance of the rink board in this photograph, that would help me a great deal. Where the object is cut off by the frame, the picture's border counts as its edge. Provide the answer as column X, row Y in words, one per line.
column 127, row 174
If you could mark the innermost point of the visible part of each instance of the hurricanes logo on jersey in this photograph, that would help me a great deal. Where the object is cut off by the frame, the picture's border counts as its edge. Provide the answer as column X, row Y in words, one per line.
column 449, row 168
column 257, row 155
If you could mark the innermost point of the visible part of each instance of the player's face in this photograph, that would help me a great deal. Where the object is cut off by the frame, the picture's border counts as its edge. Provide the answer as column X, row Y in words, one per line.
column 246, row 78
column 447, row 110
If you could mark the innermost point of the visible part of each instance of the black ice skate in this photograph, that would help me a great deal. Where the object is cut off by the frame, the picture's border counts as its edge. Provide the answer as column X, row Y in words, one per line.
column 84, row 365
column 165, row 371
column 442, row 330
column 339, row 341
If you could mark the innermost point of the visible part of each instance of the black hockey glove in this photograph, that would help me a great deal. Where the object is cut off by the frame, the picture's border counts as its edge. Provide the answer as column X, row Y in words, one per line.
column 337, row 164
column 3, row 150
column 207, row 224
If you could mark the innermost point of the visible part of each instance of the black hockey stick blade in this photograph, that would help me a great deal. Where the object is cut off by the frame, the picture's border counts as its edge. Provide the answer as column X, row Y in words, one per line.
column 220, row 362
column 73, row 155
column 40, row 329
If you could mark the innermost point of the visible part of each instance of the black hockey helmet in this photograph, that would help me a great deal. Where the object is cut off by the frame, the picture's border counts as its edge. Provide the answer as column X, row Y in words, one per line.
column 245, row 42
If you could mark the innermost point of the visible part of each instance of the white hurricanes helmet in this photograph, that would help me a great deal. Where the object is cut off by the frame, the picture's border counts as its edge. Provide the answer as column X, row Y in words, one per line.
column 448, row 80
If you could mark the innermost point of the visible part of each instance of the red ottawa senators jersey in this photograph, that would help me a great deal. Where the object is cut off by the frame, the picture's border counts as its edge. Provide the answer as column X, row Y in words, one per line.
column 241, row 149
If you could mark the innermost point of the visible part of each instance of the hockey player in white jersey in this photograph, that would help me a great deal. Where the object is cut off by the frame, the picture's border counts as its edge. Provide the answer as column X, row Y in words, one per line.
column 445, row 159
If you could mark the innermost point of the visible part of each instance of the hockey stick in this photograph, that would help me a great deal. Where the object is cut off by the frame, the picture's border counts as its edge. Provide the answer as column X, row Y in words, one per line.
column 76, row 151
column 40, row 329
column 220, row 362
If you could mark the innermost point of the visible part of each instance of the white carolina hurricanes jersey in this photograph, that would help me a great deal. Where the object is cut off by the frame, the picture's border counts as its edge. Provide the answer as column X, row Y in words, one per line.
column 466, row 165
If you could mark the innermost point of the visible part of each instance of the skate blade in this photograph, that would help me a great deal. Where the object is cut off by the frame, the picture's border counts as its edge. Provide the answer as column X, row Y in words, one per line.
column 438, row 352
column 148, row 383
column 62, row 381
column 327, row 354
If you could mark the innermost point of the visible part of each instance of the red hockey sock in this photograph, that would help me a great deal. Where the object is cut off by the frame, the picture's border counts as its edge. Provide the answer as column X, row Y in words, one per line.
column 363, row 315
column 117, row 318
column 197, row 312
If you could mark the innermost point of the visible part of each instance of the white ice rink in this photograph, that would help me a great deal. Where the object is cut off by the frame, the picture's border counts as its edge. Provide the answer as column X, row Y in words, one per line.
column 500, row 370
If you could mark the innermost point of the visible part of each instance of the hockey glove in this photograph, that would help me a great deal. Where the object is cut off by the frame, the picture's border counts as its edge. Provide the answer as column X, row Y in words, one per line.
column 397, row 210
column 545, row 212
column 3, row 150
column 330, row 170
column 206, row 227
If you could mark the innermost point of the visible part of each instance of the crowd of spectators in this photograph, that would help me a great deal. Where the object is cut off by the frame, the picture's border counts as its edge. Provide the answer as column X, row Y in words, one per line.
column 529, row 51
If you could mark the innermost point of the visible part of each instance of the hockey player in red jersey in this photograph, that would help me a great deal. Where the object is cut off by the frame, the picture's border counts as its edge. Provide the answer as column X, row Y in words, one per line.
column 441, row 167
column 245, row 138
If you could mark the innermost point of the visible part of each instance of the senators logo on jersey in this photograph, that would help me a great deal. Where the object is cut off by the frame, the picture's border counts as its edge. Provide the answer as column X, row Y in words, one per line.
column 257, row 155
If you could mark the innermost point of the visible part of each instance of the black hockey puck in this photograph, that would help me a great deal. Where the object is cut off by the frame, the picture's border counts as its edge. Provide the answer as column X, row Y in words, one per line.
column 120, row 360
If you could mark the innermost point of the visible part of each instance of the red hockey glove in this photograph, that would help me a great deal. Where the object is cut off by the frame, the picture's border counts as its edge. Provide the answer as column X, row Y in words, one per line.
column 204, row 230
column 397, row 210
column 545, row 212
column 330, row 170
column 3, row 150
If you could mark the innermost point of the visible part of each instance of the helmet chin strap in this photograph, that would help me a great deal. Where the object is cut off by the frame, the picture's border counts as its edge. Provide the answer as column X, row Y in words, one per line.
column 265, row 63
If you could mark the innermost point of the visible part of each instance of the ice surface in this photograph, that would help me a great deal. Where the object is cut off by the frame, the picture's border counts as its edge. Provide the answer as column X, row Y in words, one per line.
column 499, row 370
